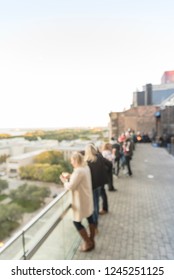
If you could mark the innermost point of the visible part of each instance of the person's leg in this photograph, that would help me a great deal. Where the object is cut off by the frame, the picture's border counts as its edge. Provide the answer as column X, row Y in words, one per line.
column 92, row 229
column 127, row 158
column 122, row 161
column 104, row 201
column 110, row 181
column 118, row 166
column 129, row 167
column 88, row 244
column 90, row 219
column 78, row 225
column 96, row 195
column 114, row 167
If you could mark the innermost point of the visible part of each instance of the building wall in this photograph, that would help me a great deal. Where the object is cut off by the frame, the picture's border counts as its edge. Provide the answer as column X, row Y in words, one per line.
column 113, row 126
column 148, row 95
column 143, row 119
column 17, row 149
column 140, row 118
column 14, row 163
column 140, row 98
column 4, row 151
column 167, row 120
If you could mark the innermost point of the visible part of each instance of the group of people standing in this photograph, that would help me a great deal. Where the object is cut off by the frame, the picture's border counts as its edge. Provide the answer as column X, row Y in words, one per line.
column 92, row 171
column 123, row 149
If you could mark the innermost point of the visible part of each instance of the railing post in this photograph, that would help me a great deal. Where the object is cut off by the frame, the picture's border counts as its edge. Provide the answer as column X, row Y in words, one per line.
column 172, row 146
column 23, row 245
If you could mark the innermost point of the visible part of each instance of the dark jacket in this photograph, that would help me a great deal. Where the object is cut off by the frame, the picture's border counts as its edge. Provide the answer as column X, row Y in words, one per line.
column 117, row 148
column 128, row 148
column 98, row 172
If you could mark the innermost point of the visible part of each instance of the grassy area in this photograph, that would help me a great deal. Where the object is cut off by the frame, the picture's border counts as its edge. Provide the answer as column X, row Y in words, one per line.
column 6, row 231
column 30, row 206
column 3, row 196
column 25, row 199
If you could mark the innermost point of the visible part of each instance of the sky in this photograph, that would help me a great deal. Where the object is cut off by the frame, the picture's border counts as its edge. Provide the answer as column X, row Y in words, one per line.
column 69, row 63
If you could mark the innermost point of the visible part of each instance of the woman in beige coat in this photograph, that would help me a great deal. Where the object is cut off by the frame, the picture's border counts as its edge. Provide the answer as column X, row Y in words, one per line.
column 79, row 182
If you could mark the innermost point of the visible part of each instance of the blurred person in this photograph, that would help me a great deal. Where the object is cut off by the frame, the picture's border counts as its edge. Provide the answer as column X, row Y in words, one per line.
column 121, row 140
column 106, row 153
column 108, row 160
column 128, row 152
column 116, row 151
column 98, row 174
column 79, row 182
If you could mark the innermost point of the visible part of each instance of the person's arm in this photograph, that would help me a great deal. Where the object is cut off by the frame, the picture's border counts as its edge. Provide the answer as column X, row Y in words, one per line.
column 74, row 181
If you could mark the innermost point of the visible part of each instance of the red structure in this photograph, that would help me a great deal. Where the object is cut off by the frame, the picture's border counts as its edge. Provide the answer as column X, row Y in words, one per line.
column 168, row 77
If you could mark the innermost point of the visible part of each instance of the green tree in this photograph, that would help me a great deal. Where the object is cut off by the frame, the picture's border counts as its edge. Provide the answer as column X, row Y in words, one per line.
column 3, row 158
column 51, row 157
column 30, row 197
column 14, row 212
column 9, row 219
column 4, row 136
column 52, row 173
column 27, row 172
column 42, row 172
column 66, row 134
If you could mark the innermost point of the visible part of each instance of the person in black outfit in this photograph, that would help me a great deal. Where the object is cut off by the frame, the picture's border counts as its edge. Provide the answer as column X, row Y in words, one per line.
column 98, row 175
column 109, row 168
column 128, row 152
column 116, row 150
column 108, row 160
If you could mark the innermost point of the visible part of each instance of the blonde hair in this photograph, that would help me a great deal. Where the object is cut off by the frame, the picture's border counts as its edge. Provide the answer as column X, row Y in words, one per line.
column 78, row 158
column 90, row 153
column 107, row 146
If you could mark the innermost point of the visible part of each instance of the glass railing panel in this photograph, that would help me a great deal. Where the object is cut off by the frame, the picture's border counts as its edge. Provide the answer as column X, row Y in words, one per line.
column 35, row 233
column 61, row 243
column 38, row 230
column 71, row 236
column 14, row 251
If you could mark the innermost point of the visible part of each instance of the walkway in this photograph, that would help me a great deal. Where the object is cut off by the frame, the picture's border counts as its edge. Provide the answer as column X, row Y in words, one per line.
column 140, row 224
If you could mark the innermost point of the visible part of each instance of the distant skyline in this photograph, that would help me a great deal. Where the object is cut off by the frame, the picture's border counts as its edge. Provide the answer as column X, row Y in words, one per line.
column 70, row 63
column 22, row 131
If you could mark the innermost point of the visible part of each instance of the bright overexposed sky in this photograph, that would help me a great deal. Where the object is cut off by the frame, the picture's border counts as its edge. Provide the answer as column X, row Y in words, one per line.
column 68, row 63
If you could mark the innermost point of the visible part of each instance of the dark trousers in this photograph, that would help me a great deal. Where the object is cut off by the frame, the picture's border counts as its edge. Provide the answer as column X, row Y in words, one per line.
column 127, row 161
column 122, row 161
column 104, row 199
column 96, row 196
column 110, row 180
column 79, row 226
column 117, row 166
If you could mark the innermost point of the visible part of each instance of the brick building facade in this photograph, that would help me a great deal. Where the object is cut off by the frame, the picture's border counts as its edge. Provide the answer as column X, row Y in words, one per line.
column 153, row 120
column 141, row 118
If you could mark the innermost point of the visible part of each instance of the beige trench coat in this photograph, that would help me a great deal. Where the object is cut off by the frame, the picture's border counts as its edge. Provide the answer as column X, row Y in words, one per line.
column 82, row 197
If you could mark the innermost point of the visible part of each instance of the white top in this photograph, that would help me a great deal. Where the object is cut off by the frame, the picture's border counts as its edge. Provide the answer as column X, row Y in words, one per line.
column 107, row 154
